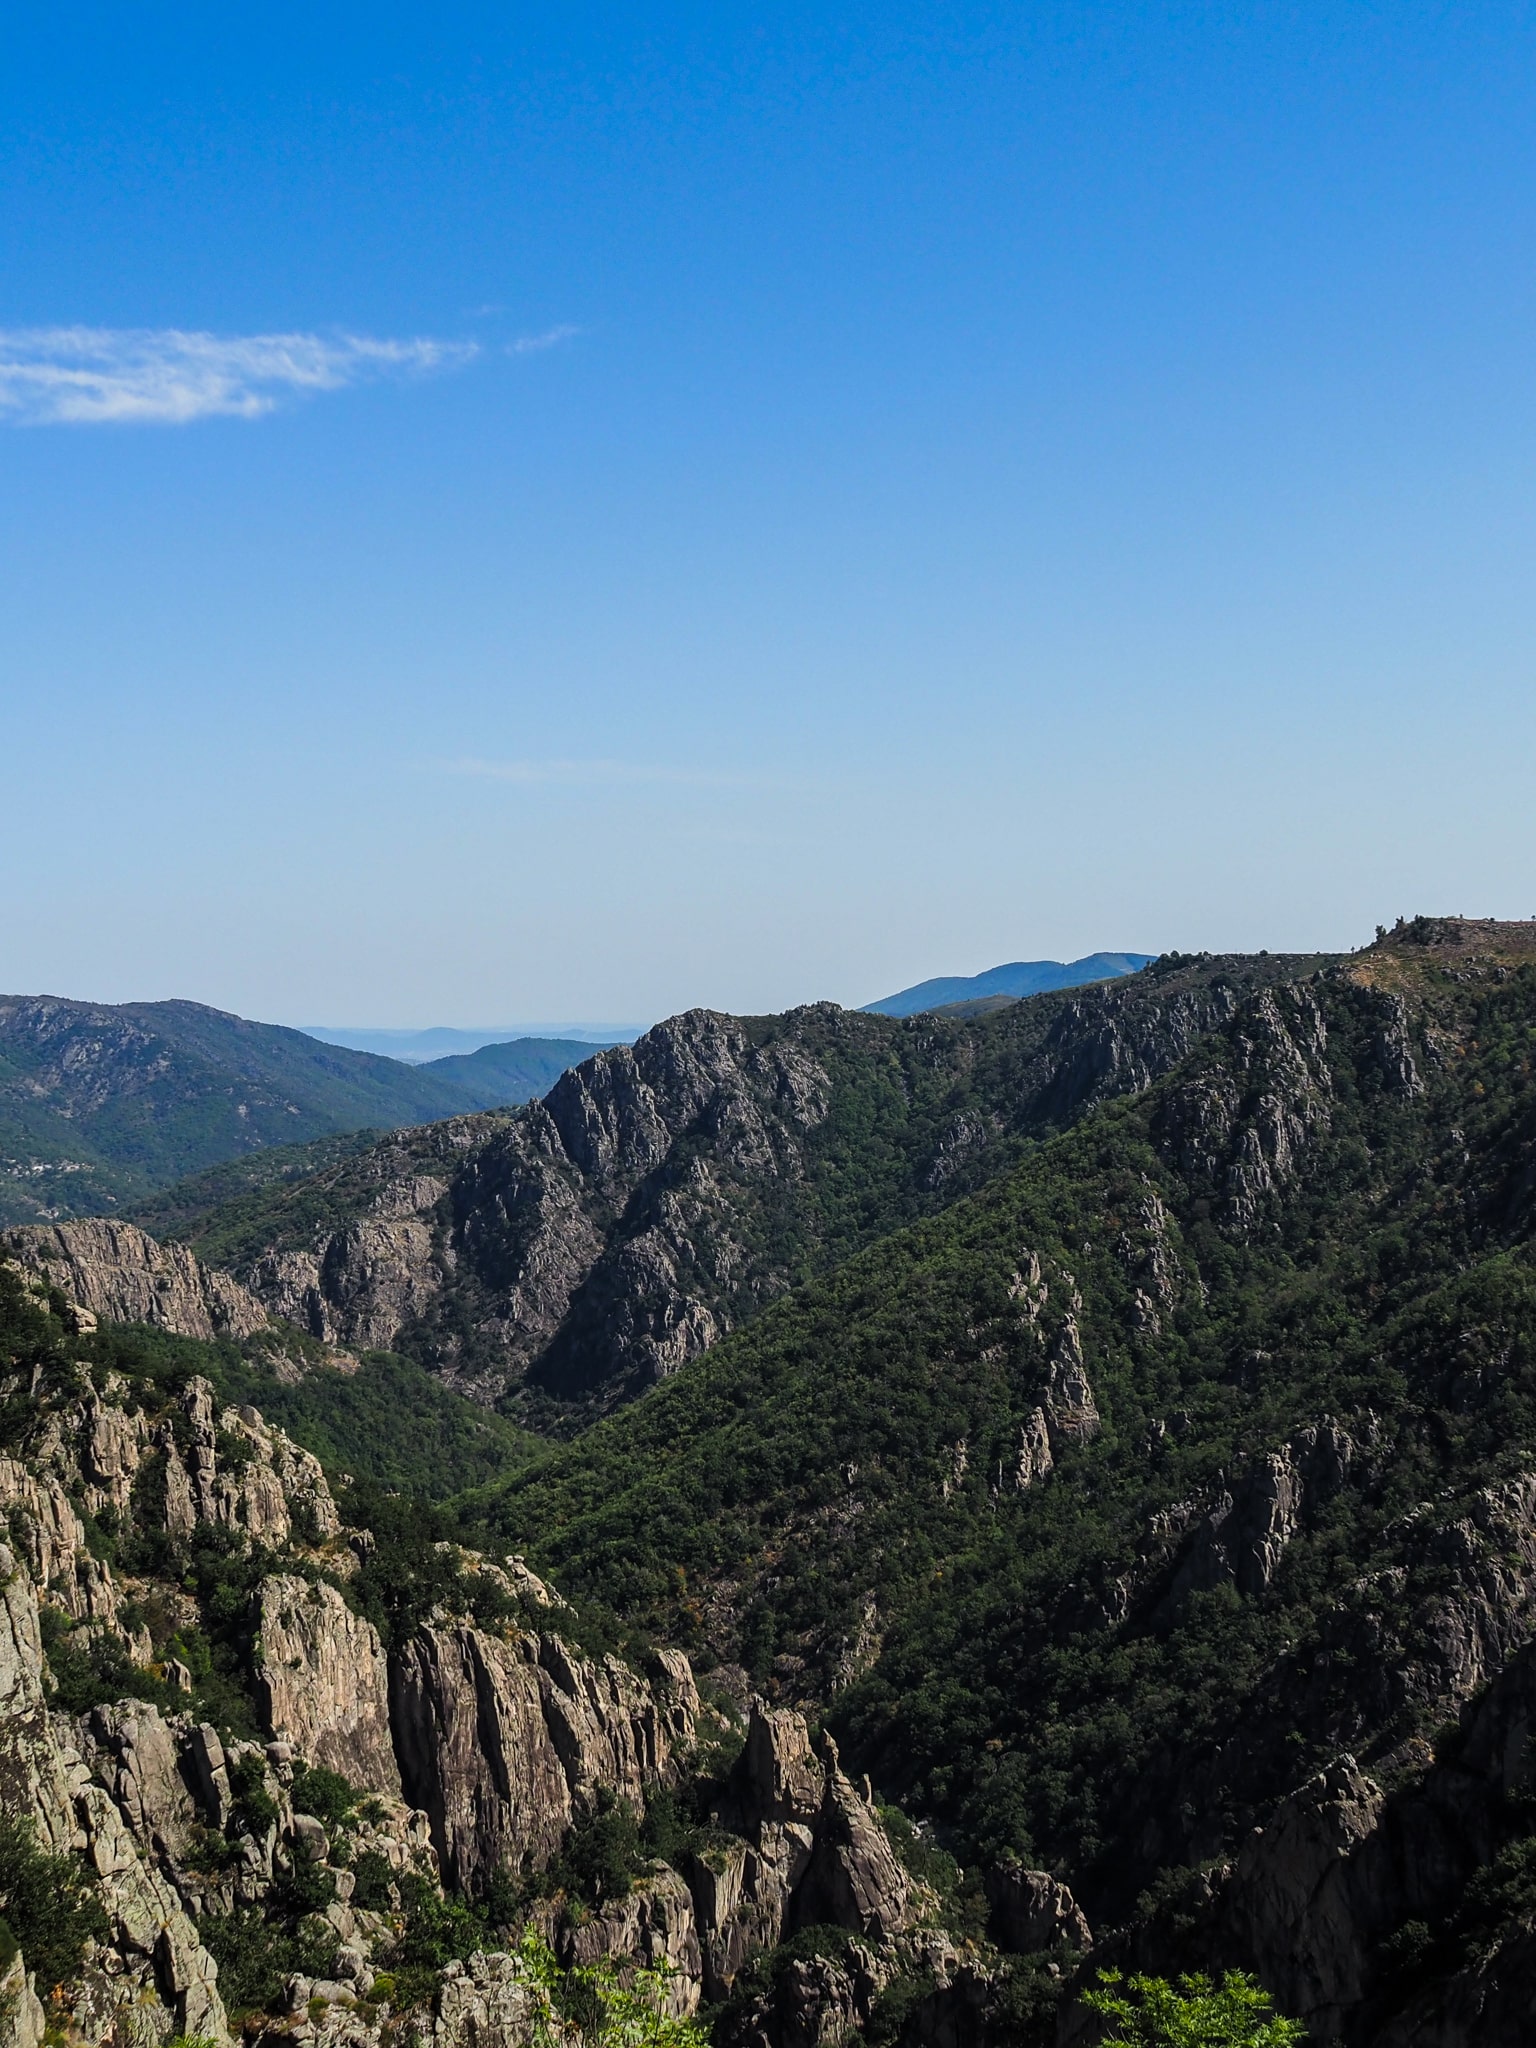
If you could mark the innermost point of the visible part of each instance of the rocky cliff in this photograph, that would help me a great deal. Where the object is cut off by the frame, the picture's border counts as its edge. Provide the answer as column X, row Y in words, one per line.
column 661, row 1194
column 300, row 1779
column 116, row 1272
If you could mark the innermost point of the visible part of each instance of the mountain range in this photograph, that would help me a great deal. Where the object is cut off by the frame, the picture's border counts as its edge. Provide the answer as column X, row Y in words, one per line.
column 438, row 1041
column 661, row 1194
column 1017, row 979
column 886, row 1517
column 103, row 1104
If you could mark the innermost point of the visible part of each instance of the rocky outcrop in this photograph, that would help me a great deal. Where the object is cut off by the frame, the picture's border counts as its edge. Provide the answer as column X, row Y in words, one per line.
column 120, row 1274
column 1034, row 1458
column 811, row 1851
column 366, row 1283
column 51, row 1538
column 852, row 1879
column 1244, row 1127
column 1293, row 1901
column 651, row 1927
column 504, row 1742
column 255, row 1479
column 812, row 2002
column 486, row 2002
column 1032, row 1912
column 207, row 1465
column 1071, row 1413
column 324, row 1682
column 23, row 2021
column 141, row 1763
column 153, row 1962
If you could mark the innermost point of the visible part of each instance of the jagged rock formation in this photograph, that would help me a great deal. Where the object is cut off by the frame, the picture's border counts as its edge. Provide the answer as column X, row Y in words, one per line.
column 505, row 1742
column 155, row 1958
column 500, row 1737
column 653, row 1926
column 118, row 1273
column 1031, row 1912
column 324, row 1682
column 659, row 1195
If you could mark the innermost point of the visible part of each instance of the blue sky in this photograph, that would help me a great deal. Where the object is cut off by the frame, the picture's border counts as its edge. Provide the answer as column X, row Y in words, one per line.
column 746, row 505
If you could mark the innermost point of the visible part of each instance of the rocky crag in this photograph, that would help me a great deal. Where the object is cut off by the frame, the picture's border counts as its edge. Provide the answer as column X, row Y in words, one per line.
column 312, row 1792
column 114, row 1272
column 662, row 1194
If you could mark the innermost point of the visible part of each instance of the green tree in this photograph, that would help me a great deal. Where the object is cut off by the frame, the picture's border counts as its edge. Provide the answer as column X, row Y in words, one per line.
column 593, row 2008
column 1192, row 2014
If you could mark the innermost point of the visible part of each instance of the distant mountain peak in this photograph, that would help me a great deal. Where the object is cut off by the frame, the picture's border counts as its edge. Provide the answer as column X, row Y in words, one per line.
column 1016, row 978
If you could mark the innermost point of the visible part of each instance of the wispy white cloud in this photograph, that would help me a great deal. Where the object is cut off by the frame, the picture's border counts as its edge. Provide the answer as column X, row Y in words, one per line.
column 530, row 344
column 102, row 376
column 595, row 774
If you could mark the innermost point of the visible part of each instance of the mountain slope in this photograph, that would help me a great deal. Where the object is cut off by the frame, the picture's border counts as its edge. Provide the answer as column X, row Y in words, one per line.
column 660, row 1195
column 496, row 1076
column 103, row 1104
column 1017, row 978
column 1181, row 1482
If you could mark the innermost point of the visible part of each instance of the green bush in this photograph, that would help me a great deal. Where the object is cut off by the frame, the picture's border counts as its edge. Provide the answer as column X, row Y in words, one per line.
column 325, row 1794
column 305, row 1887
column 371, row 1879
column 93, row 1674
column 255, row 1959
column 603, row 1854
column 894, row 2008
column 1152, row 2013
column 255, row 1809
column 49, row 1903
column 438, row 1929
column 1498, row 1896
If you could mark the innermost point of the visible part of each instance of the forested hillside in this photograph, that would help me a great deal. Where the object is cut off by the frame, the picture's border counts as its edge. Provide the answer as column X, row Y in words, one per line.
column 1193, row 1458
